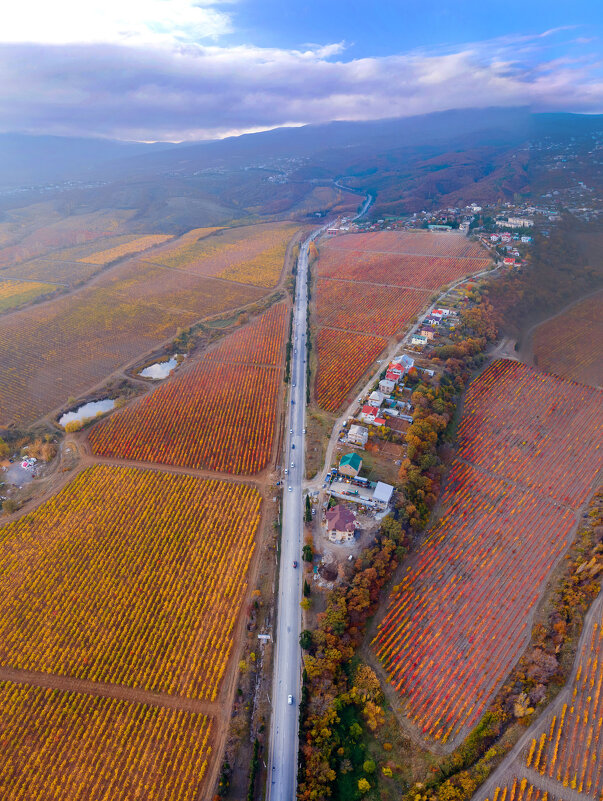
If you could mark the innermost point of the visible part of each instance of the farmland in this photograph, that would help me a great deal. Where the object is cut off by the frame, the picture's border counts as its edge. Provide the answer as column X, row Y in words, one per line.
column 218, row 414
column 247, row 255
column 570, row 343
column 127, row 249
column 335, row 348
column 457, row 622
column 377, row 284
column 67, row 746
column 521, row 790
column 130, row 577
column 16, row 293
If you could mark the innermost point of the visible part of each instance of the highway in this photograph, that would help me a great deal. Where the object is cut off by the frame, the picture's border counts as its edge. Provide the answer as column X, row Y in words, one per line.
column 282, row 754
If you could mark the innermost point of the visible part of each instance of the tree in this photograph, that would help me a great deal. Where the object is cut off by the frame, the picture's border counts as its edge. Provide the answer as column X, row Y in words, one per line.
column 307, row 553
column 369, row 766
column 4, row 449
column 307, row 589
column 308, row 514
column 363, row 785
column 305, row 639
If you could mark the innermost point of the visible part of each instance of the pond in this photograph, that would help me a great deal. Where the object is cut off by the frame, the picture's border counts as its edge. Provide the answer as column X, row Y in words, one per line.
column 87, row 411
column 159, row 370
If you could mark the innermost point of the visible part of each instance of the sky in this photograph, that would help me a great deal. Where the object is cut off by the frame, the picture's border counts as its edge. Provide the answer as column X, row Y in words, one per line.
column 185, row 70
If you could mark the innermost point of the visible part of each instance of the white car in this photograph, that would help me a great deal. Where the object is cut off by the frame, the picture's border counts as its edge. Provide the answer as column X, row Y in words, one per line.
column 291, row 431
column 286, row 471
column 289, row 489
column 289, row 699
column 292, row 464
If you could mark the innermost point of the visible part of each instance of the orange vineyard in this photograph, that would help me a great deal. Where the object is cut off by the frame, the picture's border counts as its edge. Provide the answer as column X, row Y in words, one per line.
column 218, row 414
column 460, row 617
column 72, row 747
column 129, row 576
column 378, row 283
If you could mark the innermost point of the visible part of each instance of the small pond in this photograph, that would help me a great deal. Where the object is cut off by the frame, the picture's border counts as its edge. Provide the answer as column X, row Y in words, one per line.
column 87, row 411
column 160, row 369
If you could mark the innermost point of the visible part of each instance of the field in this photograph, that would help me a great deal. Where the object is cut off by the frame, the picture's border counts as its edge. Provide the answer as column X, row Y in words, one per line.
column 131, row 577
column 72, row 747
column 367, row 308
column 570, row 749
column 61, row 349
column 521, row 790
column 127, row 249
column 248, row 255
column 218, row 414
column 16, row 293
column 570, row 344
column 343, row 358
column 377, row 283
column 459, row 619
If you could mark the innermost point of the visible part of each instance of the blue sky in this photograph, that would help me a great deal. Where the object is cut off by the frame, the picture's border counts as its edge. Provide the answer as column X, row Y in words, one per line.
column 174, row 70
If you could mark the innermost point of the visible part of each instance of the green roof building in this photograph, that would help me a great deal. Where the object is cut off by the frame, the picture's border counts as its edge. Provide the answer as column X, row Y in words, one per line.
column 350, row 465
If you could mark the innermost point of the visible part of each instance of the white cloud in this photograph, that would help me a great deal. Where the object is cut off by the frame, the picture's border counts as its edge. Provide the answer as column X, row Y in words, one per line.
column 111, row 21
column 189, row 91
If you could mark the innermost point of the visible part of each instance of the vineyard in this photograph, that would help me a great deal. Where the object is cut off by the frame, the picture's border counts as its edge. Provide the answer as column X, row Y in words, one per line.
column 127, row 249
column 248, row 255
column 570, row 344
column 367, row 308
column 534, row 429
column 570, row 749
column 460, row 617
column 16, row 293
column 60, row 349
column 220, row 414
column 72, row 747
column 130, row 577
column 521, row 790
column 377, row 283
column 343, row 359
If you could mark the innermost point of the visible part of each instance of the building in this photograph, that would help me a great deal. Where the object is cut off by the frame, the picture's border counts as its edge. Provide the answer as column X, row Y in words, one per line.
column 387, row 385
column 418, row 339
column 376, row 398
column 516, row 222
column 428, row 333
column 341, row 524
column 369, row 413
column 382, row 494
column 350, row 465
column 509, row 262
column 358, row 435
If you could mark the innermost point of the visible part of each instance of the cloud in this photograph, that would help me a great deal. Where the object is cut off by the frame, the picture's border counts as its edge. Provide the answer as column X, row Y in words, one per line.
column 185, row 90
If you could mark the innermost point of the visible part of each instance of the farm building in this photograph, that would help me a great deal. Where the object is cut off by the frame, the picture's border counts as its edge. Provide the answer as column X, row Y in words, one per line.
column 341, row 524
column 358, row 435
column 350, row 465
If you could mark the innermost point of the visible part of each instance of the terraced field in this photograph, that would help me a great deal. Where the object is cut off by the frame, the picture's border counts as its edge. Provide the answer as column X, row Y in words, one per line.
column 528, row 458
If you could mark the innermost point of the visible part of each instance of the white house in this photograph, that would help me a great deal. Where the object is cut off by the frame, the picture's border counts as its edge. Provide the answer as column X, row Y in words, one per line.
column 376, row 398
column 387, row 386
column 358, row 435
column 418, row 339
column 383, row 494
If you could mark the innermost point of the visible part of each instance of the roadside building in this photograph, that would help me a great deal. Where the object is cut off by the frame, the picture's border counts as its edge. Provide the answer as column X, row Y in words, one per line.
column 387, row 386
column 350, row 465
column 418, row 339
column 382, row 494
column 429, row 333
column 369, row 413
column 358, row 435
column 376, row 398
column 341, row 524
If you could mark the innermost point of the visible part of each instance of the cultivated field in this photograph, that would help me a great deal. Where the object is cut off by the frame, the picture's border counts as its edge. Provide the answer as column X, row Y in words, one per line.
column 218, row 414
column 248, row 255
column 61, row 349
column 130, row 577
column 528, row 458
column 127, row 249
column 72, row 747
column 521, row 790
column 16, row 293
column 377, row 283
column 343, row 358
column 570, row 344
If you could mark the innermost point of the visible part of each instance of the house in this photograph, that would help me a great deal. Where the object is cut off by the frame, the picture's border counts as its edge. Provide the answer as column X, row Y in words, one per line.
column 383, row 494
column 509, row 262
column 358, row 435
column 441, row 313
column 350, row 465
column 376, row 398
column 427, row 332
column 526, row 239
column 369, row 413
column 387, row 385
column 400, row 366
column 494, row 238
column 418, row 339
column 391, row 376
column 341, row 524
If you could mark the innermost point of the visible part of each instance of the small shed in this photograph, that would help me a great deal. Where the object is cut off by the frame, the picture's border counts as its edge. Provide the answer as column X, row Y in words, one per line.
column 350, row 465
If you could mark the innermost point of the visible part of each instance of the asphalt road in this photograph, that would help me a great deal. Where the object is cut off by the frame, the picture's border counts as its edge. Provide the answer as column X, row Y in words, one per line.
column 282, row 756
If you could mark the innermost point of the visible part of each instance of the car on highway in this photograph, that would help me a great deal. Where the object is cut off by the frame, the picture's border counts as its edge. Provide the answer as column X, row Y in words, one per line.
column 289, row 699
column 292, row 464
column 293, row 385
column 291, row 431
column 294, row 564
column 290, row 489
column 286, row 470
